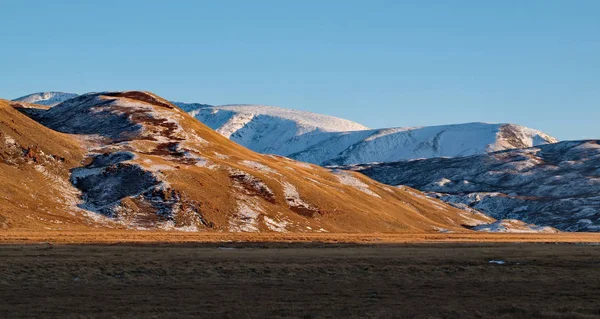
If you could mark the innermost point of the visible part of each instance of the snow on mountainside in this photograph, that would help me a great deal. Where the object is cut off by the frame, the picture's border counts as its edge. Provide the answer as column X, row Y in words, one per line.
column 456, row 140
column 554, row 185
column 321, row 139
column 274, row 130
column 232, row 116
column 514, row 226
column 46, row 98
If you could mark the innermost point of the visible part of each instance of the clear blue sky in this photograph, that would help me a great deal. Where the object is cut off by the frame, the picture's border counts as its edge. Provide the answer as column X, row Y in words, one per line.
column 380, row 63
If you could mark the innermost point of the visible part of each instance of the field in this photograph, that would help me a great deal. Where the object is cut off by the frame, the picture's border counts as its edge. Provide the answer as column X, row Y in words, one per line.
column 220, row 277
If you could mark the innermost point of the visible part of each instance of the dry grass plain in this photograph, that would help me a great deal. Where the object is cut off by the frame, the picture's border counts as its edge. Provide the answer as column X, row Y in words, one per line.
column 180, row 275
column 114, row 236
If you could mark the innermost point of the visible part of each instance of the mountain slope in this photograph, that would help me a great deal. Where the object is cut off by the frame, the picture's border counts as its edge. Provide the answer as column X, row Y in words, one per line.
column 46, row 98
column 34, row 173
column 395, row 144
column 137, row 161
column 320, row 139
column 555, row 185
column 273, row 130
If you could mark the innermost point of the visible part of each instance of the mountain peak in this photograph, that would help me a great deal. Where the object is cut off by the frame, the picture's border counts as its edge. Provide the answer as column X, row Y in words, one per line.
column 116, row 115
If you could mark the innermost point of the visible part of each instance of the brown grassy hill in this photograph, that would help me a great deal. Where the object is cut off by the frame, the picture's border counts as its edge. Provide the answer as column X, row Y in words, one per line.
column 145, row 164
column 34, row 173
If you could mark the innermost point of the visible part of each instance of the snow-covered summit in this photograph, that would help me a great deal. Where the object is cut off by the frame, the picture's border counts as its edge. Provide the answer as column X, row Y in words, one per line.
column 322, row 139
column 46, row 98
column 328, row 140
column 269, row 129
column 305, row 121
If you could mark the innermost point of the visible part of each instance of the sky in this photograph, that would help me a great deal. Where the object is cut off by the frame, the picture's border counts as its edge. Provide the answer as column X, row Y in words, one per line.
column 380, row 63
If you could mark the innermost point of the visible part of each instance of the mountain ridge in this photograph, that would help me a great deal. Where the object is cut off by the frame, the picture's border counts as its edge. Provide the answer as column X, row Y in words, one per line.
column 327, row 140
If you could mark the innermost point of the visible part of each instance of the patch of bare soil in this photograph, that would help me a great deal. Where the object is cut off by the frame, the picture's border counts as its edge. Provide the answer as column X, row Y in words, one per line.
column 300, row 280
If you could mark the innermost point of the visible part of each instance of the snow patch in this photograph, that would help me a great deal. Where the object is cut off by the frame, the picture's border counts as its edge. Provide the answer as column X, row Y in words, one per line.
column 259, row 167
column 293, row 198
column 513, row 226
column 276, row 225
column 221, row 156
column 347, row 179
column 246, row 217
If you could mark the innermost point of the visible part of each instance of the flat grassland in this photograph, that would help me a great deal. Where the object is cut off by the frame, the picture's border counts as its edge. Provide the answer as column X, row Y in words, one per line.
column 112, row 236
column 219, row 276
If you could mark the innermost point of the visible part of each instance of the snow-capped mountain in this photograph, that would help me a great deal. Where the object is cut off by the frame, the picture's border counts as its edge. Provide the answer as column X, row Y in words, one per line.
column 327, row 140
column 273, row 130
column 388, row 145
column 554, row 185
column 46, row 98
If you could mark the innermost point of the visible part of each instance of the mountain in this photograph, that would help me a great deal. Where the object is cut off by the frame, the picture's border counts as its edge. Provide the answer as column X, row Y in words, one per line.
column 327, row 140
column 134, row 160
column 46, row 98
column 272, row 130
column 555, row 185
column 387, row 145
